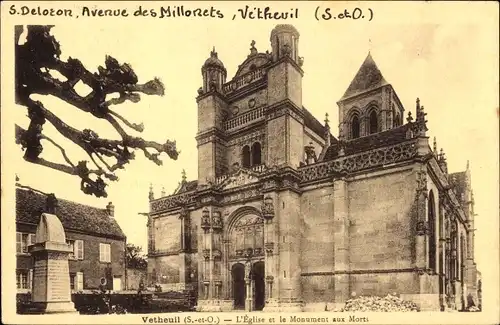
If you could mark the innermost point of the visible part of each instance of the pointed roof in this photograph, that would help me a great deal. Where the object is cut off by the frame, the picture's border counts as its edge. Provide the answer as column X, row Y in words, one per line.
column 368, row 77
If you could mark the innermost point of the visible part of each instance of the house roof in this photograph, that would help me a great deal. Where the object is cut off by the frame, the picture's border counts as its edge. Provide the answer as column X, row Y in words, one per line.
column 75, row 216
column 367, row 78
column 369, row 142
column 312, row 123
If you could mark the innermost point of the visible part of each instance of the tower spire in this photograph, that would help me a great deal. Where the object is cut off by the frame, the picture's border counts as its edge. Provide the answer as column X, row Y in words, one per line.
column 434, row 147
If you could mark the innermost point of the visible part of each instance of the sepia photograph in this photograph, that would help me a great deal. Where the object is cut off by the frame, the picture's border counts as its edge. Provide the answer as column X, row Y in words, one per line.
column 250, row 163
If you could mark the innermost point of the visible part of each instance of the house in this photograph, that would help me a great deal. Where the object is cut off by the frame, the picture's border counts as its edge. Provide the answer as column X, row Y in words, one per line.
column 284, row 216
column 97, row 241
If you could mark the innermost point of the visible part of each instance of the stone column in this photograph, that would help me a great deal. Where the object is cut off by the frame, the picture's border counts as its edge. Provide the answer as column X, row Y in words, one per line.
column 268, row 213
column 341, row 241
column 226, row 276
column 248, row 284
column 210, row 263
column 51, row 283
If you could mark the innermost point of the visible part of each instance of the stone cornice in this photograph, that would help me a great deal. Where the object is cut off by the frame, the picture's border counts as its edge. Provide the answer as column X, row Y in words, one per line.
column 247, row 90
column 283, row 107
column 211, row 93
column 289, row 60
column 212, row 132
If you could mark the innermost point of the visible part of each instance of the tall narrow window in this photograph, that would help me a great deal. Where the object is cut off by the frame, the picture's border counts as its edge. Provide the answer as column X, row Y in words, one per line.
column 105, row 253
column 246, row 156
column 355, row 127
column 432, row 231
column 256, row 154
column 462, row 258
column 397, row 121
column 373, row 122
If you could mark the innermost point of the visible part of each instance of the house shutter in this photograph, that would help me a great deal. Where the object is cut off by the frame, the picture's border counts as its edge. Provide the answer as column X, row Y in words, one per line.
column 31, row 239
column 79, row 249
column 79, row 281
column 19, row 240
column 101, row 253
column 30, row 279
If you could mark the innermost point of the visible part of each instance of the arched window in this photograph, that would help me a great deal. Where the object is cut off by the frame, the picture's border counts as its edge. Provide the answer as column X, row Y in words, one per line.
column 246, row 156
column 397, row 121
column 462, row 258
column 355, row 127
column 373, row 122
column 256, row 154
column 432, row 231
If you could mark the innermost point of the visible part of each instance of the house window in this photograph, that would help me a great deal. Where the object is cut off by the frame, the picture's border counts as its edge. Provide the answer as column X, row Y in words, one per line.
column 72, row 280
column 256, row 154
column 24, row 240
column 355, row 127
column 373, row 122
column 246, row 156
column 76, row 249
column 71, row 244
column 22, row 279
column 105, row 253
column 79, row 249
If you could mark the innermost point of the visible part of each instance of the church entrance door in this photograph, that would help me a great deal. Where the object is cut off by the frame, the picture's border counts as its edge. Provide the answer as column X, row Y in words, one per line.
column 239, row 288
column 259, row 285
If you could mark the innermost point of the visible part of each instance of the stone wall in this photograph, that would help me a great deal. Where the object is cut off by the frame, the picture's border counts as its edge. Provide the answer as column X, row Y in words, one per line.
column 167, row 269
column 380, row 237
column 380, row 219
column 134, row 277
column 167, row 231
column 260, row 98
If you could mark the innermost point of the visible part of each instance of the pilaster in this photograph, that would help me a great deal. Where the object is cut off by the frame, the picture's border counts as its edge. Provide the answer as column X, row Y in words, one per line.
column 421, row 220
column 341, row 240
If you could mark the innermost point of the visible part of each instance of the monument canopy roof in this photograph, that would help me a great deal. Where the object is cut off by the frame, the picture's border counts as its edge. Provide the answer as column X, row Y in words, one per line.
column 74, row 216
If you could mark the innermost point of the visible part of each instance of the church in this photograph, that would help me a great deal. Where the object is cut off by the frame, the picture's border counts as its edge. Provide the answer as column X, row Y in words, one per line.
column 285, row 216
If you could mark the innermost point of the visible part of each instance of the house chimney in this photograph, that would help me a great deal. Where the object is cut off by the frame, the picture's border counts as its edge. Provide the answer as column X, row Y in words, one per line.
column 51, row 204
column 110, row 209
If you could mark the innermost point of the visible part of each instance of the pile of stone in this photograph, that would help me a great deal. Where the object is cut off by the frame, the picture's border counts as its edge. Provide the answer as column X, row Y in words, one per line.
column 389, row 303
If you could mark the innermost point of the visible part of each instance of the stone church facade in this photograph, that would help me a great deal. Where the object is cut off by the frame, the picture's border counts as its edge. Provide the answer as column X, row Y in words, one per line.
column 286, row 217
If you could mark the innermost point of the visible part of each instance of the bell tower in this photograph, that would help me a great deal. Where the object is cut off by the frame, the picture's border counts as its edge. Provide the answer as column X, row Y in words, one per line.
column 285, row 120
column 212, row 107
column 370, row 104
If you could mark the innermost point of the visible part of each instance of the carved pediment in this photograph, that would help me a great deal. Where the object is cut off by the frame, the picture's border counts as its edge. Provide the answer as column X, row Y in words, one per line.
column 252, row 62
column 239, row 178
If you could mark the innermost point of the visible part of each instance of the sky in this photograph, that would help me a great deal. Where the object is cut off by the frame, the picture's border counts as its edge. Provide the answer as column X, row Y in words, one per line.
column 450, row 63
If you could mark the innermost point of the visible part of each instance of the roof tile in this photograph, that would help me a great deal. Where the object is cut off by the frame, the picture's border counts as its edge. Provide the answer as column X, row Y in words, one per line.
column 30, row 205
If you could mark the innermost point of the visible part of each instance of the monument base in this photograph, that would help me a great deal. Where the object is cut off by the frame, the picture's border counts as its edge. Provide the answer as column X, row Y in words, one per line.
column 66, row 307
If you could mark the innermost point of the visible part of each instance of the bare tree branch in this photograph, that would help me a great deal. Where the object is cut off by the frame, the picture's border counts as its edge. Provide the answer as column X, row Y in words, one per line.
column 34, row 60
